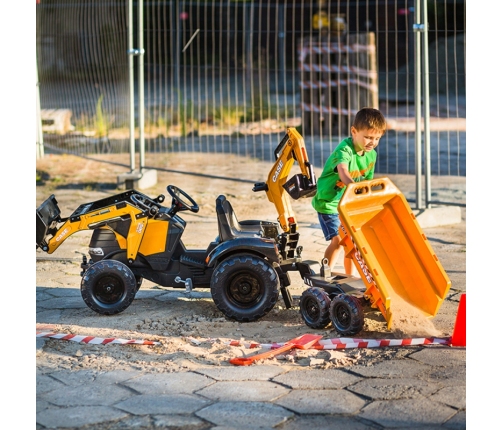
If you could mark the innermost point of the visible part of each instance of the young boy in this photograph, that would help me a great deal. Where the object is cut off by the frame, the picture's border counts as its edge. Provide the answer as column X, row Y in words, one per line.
column 353, row 160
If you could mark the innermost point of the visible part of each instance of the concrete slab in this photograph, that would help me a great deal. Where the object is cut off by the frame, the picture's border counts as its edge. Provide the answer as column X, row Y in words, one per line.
column 245, row 415
column 78, row 416
column 317, row 378
column 138, row 180
column 244, row 391
column 88, row 395
column 388, row 389
column 438, row 215
column 321, row 402
column 162, row 404
column 169, row 383
column 418, row 412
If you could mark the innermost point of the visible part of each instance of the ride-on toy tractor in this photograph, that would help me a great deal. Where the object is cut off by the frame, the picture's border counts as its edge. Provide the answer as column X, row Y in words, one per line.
column 136, row 237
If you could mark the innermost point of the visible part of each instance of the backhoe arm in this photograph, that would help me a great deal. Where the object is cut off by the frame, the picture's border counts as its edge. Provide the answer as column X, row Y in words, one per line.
column 304, row 184
column 52, row 230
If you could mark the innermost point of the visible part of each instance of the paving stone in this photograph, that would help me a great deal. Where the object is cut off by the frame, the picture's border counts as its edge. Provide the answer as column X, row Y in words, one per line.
column 391, row 369
column 405, row 413
column 317, row 378
column 324, row 422
column 63, row 303
column 45, row 384
column 75, row 378
column 322, row 402
column 242, row 373
column 244, row 415
column 387, row 389
column 169, row 383
column 116, row 376
column 149, row 294
column 241, row 391
column 48, row 315
column 133, row 422
column 188, row 421
column 78, row 416
column 441, row 356
column 446, row 376
column 91, row 394
column 144, row 404
column 65, row 292
column 458, row 422
column 40, row 342
column 452, row 396
column 42, row 294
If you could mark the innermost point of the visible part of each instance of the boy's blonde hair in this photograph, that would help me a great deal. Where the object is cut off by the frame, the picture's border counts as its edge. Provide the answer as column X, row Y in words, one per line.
column 370, row 118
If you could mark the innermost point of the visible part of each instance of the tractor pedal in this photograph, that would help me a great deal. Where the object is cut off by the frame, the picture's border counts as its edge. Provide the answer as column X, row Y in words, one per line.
column 189, row 261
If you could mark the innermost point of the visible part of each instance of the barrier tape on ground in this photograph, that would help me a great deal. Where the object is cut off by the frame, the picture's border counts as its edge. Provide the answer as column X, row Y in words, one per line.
column 346, row 343
column 95, row 340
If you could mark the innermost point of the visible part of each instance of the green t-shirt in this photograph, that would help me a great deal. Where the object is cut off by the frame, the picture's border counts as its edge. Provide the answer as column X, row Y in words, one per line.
column 330, row 188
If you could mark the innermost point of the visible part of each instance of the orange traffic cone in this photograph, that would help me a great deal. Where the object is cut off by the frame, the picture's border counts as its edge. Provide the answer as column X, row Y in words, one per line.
column 459, row 331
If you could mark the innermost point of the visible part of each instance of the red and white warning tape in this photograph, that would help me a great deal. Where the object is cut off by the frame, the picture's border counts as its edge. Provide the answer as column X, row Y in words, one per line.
column 346, row 343
column 95, row 340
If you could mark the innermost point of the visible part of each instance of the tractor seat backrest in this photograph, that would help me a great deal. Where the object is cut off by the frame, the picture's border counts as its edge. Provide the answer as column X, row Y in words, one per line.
column 229, row 226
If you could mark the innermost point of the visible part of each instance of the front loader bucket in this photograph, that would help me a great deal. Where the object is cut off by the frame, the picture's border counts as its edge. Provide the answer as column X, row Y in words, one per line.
column 48, row 215
column 389, row 249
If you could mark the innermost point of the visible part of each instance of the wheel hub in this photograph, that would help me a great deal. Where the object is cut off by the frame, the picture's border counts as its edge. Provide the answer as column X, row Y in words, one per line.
column 109, row 290
column 244, row 289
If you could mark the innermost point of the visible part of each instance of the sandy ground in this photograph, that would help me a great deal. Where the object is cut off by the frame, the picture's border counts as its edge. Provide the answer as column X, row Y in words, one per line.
column 189, row 329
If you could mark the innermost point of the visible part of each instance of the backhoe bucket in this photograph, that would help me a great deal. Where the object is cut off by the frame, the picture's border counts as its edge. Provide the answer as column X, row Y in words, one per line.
column 48, row 214
column 389, row 249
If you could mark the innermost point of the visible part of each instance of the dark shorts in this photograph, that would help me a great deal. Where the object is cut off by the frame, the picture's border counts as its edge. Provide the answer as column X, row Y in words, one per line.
column 330, row 223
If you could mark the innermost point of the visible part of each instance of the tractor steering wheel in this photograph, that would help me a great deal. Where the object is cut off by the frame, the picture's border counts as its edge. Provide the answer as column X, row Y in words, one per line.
column 178, row 204
column 146, row 203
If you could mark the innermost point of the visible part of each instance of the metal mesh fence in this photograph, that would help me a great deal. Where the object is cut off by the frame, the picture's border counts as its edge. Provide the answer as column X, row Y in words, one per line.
column 230, row 76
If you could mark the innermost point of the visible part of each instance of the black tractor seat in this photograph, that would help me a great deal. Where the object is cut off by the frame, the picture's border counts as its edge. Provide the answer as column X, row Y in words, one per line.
column 229, row 226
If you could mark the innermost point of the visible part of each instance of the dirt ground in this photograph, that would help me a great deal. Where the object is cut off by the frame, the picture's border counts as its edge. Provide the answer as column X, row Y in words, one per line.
column 189, row 329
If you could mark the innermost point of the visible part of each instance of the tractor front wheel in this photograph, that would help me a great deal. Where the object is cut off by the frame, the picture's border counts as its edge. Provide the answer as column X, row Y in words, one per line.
column 108, row 287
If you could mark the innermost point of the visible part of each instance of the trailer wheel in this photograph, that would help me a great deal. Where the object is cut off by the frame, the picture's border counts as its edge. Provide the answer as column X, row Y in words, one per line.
column 347, row 315
column 314, row 307
column 244, row 287
column 108, row 287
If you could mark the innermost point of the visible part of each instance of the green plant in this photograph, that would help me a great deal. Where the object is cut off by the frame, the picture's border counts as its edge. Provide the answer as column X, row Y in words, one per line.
column 228, row 116
column 101, row 121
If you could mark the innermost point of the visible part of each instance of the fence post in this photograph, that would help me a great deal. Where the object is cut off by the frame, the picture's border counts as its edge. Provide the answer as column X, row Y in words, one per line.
column 130, row 59
column 417, row 28
column 141, row 89
column 427, row 131
column 40, row 133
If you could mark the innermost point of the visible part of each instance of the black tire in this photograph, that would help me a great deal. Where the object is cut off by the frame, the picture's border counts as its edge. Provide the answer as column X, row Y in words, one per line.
column 314, row 307
column 108, row 287
column 244, row 287
column 347, row 315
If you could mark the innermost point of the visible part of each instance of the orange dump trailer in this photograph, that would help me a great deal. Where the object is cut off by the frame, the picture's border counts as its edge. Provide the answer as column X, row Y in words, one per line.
column 392, row 254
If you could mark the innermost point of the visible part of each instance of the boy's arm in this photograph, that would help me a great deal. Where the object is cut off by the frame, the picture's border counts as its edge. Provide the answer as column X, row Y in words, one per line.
column 343, row 172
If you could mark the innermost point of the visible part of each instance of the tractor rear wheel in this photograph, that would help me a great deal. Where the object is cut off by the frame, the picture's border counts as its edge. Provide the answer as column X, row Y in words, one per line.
column 244, row 287
column 108, row 287
column 314, row 307
column 347, row 315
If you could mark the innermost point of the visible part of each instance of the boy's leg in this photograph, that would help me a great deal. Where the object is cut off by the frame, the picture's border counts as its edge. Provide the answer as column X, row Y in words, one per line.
column 330, row 224
column 350, row 268
column 332, row 251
